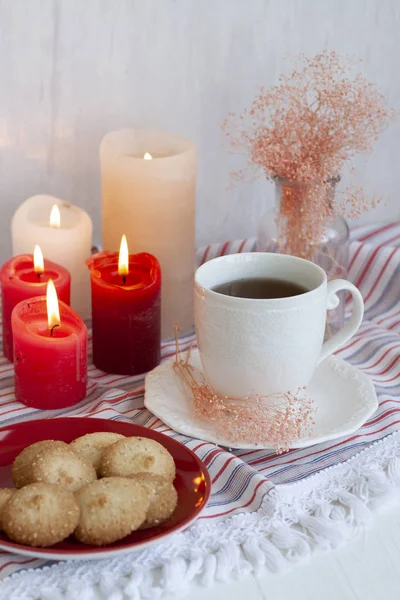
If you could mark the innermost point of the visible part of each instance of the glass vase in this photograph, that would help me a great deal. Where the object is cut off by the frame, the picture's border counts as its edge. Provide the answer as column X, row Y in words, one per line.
column 303, row 224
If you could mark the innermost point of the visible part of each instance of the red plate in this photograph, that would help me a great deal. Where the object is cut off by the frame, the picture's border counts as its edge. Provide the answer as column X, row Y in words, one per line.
column 192, row 483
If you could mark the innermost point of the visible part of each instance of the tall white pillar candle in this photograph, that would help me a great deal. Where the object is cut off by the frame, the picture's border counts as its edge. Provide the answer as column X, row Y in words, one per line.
column 67, row 240
column 149, row 194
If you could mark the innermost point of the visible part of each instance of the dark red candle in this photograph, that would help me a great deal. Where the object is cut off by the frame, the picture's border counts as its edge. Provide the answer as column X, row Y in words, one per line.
column 50, row 359
column 20, row 281
column 126, row 313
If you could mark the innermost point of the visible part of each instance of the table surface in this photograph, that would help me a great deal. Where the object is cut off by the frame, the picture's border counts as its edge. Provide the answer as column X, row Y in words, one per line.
column 367, row 568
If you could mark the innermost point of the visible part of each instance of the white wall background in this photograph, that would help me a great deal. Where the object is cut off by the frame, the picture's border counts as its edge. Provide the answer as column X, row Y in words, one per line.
column 71, row 70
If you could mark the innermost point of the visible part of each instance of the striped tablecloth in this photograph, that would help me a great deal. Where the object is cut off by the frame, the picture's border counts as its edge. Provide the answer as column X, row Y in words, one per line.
column 259, row 499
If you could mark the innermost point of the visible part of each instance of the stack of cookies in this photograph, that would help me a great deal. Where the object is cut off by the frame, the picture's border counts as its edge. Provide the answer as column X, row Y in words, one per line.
column 101, row 487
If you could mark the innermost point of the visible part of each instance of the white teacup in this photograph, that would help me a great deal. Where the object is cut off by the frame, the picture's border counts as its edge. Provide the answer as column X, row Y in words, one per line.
column 266, row 346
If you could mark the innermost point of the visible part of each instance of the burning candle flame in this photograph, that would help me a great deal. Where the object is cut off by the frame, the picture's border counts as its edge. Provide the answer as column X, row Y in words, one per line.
column 147, row 156
column 53, row 310
column 123, row 259
column 38, row 263
column 55, row 217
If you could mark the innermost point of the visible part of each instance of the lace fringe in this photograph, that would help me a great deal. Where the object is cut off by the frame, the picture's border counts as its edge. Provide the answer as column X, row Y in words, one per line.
column 319, row 513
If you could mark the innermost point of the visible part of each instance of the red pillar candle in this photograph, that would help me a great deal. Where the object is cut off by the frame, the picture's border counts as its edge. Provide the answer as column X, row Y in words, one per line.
column 126, row 312
column 20, row 281
column 50, row 359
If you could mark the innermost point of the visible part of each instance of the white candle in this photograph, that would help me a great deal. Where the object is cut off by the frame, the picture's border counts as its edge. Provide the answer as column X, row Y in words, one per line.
column 64, row 234
column 149, row 193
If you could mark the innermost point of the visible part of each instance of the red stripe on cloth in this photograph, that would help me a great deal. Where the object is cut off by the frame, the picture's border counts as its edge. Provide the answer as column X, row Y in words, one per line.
column 356, row 339
column 8, row 412
column 377, row 280
column 367, row 266
column 382, row 416
column 343, row 443
column 321, row 451
column 240, row 249
column 212, row 455
column 223, row 468
column 227, row 512
column 15, row 562
column 383, row 381
column 390, row 366
column 94, row 379
column 380, row 359
column 389, row 400
column 196, row 448
column 388, row 318
column 375, row 232
column 204, row 258
column 363, row 334
column 224, row 248
column 13, row 401
column 390, row 240
column 354, row 258
column 93, row 415
column 110, row 401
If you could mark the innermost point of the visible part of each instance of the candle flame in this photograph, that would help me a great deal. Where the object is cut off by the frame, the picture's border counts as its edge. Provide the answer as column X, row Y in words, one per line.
column 55, row 217
column 53, row 309
column 147, row 156
column 38, row 263
column 123, row 259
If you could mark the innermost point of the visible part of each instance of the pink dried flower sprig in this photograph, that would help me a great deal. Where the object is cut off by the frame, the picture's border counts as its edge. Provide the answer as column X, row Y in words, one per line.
column 277, row 420
column 310, row 126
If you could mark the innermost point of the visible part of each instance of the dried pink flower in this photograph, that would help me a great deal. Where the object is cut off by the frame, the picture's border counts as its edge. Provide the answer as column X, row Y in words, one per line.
column 310, row 126
column 277, row 420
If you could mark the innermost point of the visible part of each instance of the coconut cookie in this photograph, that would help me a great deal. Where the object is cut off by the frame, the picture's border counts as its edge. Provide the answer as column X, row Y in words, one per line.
column 21, row 468
column 137, row 455
column 40, row 514
column 5, row 495
column 92, row 445
column 111, row 509
column 61, row 466
column 163, row 498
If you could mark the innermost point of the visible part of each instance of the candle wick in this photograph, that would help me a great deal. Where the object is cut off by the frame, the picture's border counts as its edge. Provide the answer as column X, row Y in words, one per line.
column 52, row 329
column 124, row 279
column 38, row 274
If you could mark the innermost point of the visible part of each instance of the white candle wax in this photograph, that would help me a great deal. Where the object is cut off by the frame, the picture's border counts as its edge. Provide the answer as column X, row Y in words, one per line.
column 68, row 245
column 153, row 201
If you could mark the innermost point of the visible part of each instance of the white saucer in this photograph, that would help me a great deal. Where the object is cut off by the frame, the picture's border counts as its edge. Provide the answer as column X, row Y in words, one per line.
column 344, row 398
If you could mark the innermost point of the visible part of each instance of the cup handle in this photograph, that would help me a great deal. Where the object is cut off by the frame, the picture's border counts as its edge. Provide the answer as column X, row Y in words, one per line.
column 352, row 325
